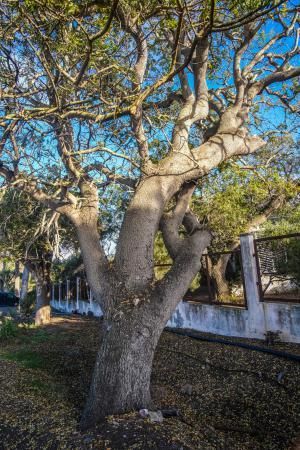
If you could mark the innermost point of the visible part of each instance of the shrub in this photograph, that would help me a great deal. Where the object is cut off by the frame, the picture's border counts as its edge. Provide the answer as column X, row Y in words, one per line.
column 8, row 329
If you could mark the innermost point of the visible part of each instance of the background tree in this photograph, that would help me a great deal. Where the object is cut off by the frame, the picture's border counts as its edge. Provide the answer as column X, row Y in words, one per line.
column 242, row 196
column 30, row 235
column 151, row 96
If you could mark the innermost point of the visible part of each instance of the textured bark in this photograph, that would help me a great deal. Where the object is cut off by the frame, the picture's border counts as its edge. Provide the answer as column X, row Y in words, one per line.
column 121, row 379
column 95, row 262
column 219, row 279
column 24, row 283
column 43, row 309
column 122, row 373
column 134, row 256
column 17, row 279
column 41, row 271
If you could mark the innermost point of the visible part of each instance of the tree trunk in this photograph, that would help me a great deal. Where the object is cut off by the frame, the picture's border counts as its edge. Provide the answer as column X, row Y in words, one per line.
column 42, row 271
column 121, row 378
column 218, row 272
column 24, row 283
column 2, row 279
column 17, row 279
column 43, row 309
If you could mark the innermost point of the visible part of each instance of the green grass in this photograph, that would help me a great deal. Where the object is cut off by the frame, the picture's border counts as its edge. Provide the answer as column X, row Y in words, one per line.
column 27, row 358
column 42, row 387
column 8, row 329
column 36, row 336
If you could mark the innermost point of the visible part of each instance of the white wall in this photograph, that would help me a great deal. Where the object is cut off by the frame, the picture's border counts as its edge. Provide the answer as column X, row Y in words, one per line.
column 81, row 307
column 251, row 322
column 236, row 321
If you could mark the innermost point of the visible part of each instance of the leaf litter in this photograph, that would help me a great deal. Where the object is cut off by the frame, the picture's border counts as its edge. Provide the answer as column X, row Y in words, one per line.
column 227, row 398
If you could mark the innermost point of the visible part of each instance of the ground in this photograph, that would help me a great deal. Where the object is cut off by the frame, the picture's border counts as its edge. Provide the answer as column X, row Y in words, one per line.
column 228, row 398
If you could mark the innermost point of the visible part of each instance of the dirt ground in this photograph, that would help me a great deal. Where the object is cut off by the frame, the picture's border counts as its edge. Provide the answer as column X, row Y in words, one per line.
column 228, row 398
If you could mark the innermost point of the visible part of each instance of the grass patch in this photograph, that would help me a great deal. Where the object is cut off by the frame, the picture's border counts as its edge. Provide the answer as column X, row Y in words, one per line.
column 46, row 388
column 8, row 329
column 37, row 336
column 27, row 358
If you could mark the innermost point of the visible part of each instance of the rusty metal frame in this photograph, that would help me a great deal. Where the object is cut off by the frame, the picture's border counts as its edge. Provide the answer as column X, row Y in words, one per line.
column 258, row 268
column 211, row 298
column 282, row 236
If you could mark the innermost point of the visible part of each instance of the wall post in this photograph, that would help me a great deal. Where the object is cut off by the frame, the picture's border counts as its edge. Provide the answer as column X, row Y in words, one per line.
column 59, row 294
column 77, row 293
column 91, row 298
column 256, row 312
column 68, row 294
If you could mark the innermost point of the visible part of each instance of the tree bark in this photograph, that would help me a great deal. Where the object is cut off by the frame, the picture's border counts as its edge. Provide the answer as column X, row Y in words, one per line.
column 42, row 271
column 24, row 283
column 43, row 309
column 17, row 279
column 134, row 254
column 218, row 272
column 121, row 379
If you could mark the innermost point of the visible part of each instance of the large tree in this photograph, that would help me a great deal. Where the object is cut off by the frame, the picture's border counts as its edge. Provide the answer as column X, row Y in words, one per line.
column 100, row 93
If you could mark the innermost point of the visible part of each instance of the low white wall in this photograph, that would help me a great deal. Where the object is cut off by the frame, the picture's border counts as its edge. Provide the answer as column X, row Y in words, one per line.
column 222, row 320
column 251, row 322
column 236, row 321
column 79, row 307
column 285, row 318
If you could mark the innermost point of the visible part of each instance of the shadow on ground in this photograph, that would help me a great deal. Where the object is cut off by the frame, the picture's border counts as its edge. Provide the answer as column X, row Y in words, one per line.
column 228, row 398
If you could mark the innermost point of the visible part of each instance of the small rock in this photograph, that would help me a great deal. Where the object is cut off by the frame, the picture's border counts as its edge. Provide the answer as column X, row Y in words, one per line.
column 187, row 389
column 114, row 423
column 144, row 413
column 88, row 439
column 155, row 416
column 280, row 376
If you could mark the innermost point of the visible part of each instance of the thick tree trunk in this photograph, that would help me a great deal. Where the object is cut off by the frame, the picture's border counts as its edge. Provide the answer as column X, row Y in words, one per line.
column 218, row 275
column 43, row 309
column 218, row 271
column 134, row 253
column 42, row 271
column 121, row 379
column 221, row 285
